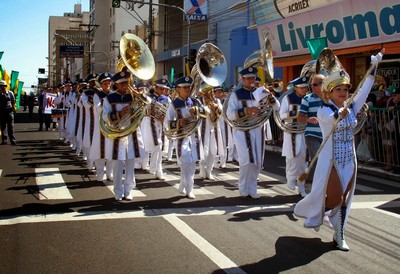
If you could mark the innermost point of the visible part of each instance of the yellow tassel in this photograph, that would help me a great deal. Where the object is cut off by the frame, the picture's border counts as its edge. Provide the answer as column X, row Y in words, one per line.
column 303, row 177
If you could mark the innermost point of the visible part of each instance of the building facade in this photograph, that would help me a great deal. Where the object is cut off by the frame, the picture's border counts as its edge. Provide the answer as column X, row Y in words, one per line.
column 66, row 35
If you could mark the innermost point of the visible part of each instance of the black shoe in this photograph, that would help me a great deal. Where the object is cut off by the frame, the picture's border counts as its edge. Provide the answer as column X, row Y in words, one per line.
column 39, row 129
column 4, row 142
column 13, row 143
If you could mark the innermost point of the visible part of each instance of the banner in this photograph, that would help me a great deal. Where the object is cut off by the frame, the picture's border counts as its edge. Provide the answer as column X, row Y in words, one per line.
column 50, row 97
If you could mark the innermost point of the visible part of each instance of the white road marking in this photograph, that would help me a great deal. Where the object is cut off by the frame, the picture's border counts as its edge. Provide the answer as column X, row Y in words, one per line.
column 1, row 171
column 208, row 249
column 51, row 184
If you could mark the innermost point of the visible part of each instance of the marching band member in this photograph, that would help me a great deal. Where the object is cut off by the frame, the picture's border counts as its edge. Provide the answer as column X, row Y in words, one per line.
column 79, row 124
column 59, row 101
column 336, row 171
column 224, row 128
column 122, row 151
column 71, row 101
column 88, row 117
column 169, row 145
column 154, row 128
column 249, row 143
column 98, row 148
column 211, row 135
column 144, row 162
column 182, row 109
column 294, row 145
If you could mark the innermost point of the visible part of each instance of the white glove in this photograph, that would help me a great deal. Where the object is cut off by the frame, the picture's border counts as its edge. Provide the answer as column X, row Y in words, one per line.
column 343, row 112
column 375, row 59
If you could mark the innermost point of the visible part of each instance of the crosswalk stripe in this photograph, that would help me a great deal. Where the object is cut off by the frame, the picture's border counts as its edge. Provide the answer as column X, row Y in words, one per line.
column 1, row 171
column 51, row 184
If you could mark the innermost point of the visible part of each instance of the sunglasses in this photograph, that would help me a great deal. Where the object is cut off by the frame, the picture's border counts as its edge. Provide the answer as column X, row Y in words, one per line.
column 316, row 84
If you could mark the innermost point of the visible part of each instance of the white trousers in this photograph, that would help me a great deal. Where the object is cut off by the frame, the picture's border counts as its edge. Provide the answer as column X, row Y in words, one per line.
column 248, row 175
column 123, row 187
column 156, row 160
column 100, row 164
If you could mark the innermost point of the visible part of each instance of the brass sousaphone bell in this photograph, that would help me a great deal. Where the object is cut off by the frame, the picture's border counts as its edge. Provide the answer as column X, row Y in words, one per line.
column 138, row 59
column 262, row 58
column 209, row 71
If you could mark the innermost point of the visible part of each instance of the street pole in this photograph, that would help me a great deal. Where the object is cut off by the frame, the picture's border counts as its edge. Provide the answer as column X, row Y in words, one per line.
column 66, row 59
column 108, row 59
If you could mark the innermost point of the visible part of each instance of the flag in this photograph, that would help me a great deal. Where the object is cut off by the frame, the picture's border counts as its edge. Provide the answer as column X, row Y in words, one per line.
column 1, row 72
column 172, row 76
column 6, row 77
column 316, row 45
column 19, row 91
column 1, row 54
column 14, row 78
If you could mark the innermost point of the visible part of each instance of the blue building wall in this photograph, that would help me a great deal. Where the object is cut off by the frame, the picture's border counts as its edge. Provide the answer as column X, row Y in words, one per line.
column 244, row 43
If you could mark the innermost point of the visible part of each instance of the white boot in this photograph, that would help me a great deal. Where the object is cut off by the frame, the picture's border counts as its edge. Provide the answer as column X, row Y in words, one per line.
column 338, row 237
column 302, row 189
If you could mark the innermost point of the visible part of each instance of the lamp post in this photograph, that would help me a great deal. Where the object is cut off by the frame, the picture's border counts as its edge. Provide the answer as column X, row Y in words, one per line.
column 70, row 41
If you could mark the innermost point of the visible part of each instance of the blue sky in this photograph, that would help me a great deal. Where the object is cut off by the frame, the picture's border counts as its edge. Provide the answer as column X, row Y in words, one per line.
column 24, row 34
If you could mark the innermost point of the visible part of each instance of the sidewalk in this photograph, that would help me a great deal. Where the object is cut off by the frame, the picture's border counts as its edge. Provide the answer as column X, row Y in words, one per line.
column 362, row 167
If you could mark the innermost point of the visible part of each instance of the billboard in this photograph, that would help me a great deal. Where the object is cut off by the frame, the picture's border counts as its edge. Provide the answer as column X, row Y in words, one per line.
column 71, row 51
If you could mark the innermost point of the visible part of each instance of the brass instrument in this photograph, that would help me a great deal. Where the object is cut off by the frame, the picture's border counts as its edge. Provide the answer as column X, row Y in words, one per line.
column 361, row 118
column 326, row 63
column 156, row 110
column 137, row 58
column 290, row 125
column 209, row 71
column 263, row 58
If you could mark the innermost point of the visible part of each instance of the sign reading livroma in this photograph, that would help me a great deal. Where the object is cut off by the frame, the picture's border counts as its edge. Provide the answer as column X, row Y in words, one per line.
column 351, row 23
column 71, row 51
column 196, row 10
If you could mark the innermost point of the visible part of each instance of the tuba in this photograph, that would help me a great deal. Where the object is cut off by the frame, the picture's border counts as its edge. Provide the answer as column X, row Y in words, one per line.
column 210, row 70
column 290, row 126
column 137, row 58
column 263, row 58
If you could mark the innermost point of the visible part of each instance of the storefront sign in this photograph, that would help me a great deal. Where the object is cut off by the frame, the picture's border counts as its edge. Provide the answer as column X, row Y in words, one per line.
column 348, row 24
column 266, row 11
column 196, row 10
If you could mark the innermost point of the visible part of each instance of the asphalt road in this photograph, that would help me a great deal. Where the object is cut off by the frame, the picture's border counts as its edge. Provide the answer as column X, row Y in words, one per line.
column 72, row 224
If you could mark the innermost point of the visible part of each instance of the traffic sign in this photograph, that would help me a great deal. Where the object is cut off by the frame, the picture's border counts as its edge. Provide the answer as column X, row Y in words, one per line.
column 116, row 3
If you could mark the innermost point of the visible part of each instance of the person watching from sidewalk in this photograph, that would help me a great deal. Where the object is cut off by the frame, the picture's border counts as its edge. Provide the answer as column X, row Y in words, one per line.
column 308, row 114
column 7, row 109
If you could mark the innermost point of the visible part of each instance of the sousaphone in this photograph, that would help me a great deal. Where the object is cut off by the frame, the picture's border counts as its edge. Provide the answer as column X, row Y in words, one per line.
column 264, row 59
column 137, row 58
